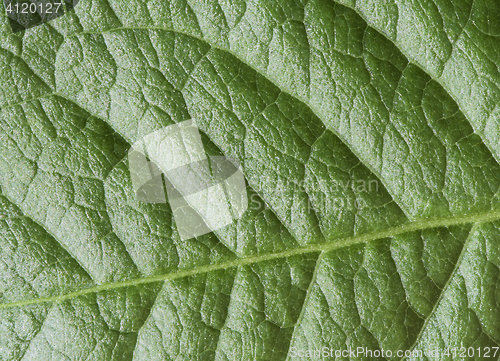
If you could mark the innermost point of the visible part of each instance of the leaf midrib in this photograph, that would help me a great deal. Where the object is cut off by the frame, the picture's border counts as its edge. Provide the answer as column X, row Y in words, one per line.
column 336, row 244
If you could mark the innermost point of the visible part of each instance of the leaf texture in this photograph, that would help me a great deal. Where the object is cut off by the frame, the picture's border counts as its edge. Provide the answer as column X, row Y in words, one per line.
column 368, row 133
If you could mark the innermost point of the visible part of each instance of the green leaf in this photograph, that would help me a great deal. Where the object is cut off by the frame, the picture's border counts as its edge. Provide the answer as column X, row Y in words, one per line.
column 368, row 134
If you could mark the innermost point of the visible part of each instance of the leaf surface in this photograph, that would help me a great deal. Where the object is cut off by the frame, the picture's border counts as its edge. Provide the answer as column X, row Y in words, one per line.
column 368, row 135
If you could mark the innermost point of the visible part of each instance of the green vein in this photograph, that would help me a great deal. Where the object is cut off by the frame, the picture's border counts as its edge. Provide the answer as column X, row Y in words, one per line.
column 443, row 291
column 411, row 59
column 303, row 100
column 323, row 247
column 304, row 304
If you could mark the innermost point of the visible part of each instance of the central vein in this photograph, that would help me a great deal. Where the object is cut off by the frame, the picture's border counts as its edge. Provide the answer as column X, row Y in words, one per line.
column 311, row 248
